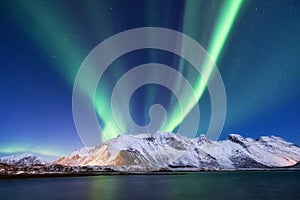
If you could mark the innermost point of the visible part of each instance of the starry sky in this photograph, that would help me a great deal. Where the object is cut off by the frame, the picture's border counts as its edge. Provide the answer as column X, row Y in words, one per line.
column 43, row 44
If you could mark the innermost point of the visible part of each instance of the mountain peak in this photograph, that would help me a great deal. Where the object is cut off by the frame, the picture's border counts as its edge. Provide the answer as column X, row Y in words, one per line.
column 235, row 136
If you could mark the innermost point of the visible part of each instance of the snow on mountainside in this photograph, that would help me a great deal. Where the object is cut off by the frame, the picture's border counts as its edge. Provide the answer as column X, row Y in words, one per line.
column 77, row 157
column 22, row 159
column 169, row 151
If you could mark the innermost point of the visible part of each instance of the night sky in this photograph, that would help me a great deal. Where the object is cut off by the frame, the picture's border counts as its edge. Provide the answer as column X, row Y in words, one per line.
column 43, row 43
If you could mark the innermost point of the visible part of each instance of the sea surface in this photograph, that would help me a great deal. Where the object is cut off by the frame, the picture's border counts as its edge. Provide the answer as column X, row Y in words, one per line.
column 196, row 185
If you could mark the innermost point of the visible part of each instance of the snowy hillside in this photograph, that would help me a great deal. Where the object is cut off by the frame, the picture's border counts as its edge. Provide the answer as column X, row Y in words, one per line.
column 21, row 159
column 170, row 151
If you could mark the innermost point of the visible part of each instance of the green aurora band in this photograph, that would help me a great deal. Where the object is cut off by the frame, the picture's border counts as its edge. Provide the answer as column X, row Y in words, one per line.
column 17, row 148
column 225, row 21
column 48, row 25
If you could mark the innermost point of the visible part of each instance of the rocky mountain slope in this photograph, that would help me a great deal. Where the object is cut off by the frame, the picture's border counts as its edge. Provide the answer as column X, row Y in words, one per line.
column 172, row 151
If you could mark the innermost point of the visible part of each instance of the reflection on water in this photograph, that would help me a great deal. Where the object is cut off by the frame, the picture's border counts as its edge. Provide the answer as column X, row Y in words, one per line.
column 200, row 185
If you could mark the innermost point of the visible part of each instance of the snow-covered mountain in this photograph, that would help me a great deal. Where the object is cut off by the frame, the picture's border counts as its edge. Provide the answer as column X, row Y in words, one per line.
column 171, row 151
column 22, row 160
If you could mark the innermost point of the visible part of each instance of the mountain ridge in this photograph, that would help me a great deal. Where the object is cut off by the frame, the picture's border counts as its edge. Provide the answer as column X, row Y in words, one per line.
column 147, row 152
column 25, row 159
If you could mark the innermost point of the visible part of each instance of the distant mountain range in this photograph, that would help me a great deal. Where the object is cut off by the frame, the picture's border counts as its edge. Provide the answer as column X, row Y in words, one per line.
column 169, row 151
column 164, row 151
column 26, row 159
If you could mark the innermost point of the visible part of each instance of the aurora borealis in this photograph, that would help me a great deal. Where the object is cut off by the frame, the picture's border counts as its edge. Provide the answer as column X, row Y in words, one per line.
column 223, row 24
column 43, row 44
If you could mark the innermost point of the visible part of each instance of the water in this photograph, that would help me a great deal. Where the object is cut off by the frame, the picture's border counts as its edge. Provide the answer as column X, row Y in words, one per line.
column 198, row 185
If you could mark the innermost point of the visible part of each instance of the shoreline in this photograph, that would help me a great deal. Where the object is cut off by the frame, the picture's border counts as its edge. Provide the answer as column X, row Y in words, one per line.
column 131, row 173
